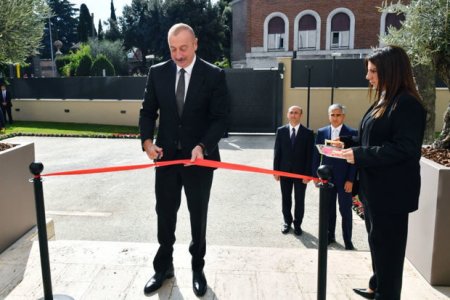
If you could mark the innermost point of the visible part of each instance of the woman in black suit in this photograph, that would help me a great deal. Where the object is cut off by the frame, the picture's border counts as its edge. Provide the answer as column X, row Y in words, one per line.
column 387, row 153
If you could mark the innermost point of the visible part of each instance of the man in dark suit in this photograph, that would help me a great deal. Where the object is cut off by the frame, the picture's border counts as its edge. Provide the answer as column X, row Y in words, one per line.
column 5, row 102
column 2, row 121
column 293, row 153
column 190, row 97
column 343, row 175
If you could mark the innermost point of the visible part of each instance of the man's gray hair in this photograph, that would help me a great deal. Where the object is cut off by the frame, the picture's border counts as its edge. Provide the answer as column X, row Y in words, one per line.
column 336, row 106
column 175, row 29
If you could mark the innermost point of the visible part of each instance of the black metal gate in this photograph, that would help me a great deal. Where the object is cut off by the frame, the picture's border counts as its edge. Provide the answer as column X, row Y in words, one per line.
column 256, row 95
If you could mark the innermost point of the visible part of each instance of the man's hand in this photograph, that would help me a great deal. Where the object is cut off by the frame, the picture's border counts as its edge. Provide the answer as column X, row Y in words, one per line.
column 348, row 186
column 197, row 153
column 153, row 151
column 277, row 177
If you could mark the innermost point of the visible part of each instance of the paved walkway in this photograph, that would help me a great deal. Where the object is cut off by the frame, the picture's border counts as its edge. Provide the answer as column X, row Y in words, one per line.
column 94, row 254
column 119, row 270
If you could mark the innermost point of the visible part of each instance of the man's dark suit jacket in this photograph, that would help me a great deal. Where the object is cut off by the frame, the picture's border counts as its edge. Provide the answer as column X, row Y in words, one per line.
column 342, row 170
column 8, row 98
column 205, row 112
column 2, row 120
column 388, row 159
column 297, row 159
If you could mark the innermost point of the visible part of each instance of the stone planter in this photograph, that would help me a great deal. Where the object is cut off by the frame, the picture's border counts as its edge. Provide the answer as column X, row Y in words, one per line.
column 428, row 247
column 17, row 207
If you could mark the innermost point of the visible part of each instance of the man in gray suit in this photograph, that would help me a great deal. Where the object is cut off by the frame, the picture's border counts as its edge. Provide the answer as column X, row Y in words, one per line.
column 343, row 175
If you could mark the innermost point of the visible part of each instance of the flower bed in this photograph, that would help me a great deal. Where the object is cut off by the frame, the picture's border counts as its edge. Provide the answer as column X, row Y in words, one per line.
column 440, row 156
column 5, row 146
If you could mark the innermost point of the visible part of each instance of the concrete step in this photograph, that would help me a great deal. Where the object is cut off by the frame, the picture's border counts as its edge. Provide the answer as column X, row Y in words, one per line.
column 119, row 270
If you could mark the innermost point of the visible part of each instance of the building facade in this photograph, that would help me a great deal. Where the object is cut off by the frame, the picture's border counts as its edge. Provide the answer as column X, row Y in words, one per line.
column 308, row 29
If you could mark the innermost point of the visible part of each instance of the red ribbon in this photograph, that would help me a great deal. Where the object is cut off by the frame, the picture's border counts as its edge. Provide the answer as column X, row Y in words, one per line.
column 198, row 162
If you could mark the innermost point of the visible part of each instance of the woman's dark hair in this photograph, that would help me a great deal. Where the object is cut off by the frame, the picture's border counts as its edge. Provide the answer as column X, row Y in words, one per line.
column 394, row 76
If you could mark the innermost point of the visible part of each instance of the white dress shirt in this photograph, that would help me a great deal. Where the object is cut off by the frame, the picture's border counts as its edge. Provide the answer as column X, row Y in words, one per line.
column 187, row 76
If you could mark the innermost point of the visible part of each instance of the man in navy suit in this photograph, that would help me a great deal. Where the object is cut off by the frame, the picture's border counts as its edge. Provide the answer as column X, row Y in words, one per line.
column 293, row 153
column 190, row 98
column 343, row 174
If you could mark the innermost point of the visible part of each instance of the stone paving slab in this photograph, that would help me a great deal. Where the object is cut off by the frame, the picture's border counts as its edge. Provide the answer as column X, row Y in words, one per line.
column 119, row 270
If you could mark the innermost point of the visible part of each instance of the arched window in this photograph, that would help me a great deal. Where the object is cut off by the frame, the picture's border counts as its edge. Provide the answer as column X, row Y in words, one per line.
column 340, row 31
column 393, row 20
column 276, row 34
column 390, row 20
column 307, row 33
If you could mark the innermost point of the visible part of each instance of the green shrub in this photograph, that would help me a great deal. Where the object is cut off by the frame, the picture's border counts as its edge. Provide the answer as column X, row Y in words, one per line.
column 84, row 67
column 102, row 63
column 61, row 62
column 114, row 51
column 75, row 58
column 224, row 63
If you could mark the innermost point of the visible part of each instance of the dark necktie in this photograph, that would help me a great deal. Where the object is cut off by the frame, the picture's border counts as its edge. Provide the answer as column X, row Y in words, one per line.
column 293, row 137
column 180, row 92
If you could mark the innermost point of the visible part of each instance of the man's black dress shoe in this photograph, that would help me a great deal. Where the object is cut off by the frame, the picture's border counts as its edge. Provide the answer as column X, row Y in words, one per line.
column 199, row 283
column 349, row 246
column 286, row 228
column 364, row 293
column 331, row 241
column 157, row 280
column 298, row 230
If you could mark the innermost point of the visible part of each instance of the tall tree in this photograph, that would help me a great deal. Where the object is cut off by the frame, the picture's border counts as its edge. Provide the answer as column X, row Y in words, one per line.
column 142, row 27
column 425, row 34
column 205, row 19
column 145, row 24
column 21, row 28
column 227, row 20
column 113, row 12
column 101, row 34
column 85, row 28
column 63, row 24
column 114, row 51
column 113, row 33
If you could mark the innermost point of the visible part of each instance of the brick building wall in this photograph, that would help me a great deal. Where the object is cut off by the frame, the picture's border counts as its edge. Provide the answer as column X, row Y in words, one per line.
column 366, row 13
column 367, row 18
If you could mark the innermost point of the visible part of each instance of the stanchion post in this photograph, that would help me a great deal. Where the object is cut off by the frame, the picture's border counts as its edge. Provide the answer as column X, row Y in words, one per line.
column 325, row 173
column 36, row 169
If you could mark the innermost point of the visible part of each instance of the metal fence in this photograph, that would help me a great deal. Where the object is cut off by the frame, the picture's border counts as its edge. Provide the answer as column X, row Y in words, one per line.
column 256, row 95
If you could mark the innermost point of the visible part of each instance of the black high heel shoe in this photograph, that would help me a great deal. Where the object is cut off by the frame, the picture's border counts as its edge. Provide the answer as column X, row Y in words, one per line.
column 364, row 293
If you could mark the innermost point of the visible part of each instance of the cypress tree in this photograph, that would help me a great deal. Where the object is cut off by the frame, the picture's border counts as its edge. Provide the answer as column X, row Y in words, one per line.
column 85, row 24
column 101, row 34
column 113, row 12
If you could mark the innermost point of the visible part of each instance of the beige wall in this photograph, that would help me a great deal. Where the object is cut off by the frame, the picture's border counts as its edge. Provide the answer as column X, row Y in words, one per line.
column 110, row 111
column 355, row 100
column 113, row 112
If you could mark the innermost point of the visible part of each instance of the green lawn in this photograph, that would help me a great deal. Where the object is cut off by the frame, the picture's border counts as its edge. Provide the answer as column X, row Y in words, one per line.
column 53, row 128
